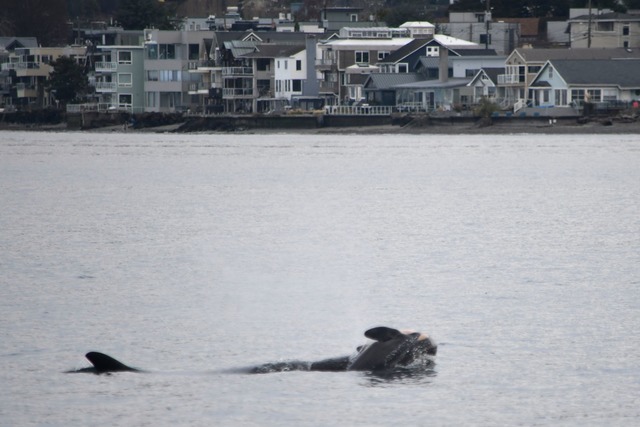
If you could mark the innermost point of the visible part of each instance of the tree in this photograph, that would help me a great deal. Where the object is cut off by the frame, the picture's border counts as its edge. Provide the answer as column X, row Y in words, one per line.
column 44, row 19
column 68, row 80
column 141, row 14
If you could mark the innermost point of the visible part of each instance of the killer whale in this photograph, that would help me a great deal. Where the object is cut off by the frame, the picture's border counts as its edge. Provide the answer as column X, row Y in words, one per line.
column 391, row 348
column 103, row 364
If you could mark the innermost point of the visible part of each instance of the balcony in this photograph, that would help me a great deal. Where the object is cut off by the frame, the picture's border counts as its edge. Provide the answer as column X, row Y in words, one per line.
column 232, row 93
column 106, row 67
column 509, row 79
column 325, row 63
column 237, row 71
column 201, row 66
column 20, row 66
column 329, row 87
column 199, row 88
column 106, row 87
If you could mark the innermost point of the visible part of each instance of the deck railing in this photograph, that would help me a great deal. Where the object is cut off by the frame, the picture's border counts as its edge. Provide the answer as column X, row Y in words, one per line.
column 360, row 110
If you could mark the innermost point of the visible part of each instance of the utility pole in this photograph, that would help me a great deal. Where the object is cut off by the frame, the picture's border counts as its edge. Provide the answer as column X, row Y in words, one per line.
column 589, row 27
column 487, row 18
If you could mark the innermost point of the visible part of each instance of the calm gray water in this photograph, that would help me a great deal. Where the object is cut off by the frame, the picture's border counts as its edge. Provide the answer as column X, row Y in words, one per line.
column 195, row 256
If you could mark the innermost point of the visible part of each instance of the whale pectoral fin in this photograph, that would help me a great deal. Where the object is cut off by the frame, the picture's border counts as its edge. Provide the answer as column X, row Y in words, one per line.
column 104, row 363
column 382, row 334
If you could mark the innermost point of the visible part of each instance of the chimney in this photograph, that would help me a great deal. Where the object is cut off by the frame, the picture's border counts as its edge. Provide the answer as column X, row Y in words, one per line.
column 443, row 68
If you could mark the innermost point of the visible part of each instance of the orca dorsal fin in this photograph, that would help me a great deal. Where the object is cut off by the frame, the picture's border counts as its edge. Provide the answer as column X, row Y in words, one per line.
column 104, row 363
column 383, row 333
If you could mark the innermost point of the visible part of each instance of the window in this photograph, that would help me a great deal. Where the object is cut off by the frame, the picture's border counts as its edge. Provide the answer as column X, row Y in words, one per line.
column 561, row 97
column 296, row 85
column 354, row 17
column 609, row 95
column 286, row 64
column 151, row 99
column 403, row 68
column 604, row 26
column 382, row 54
column 550, row 72
column 545, row 95
column 152, row 75
column 152, row 51
column 124, row 57
column 298, row 65
column 124, row 79
column 484, row 39
column 433, row 50
column 194, row 52
column 125, row 98
column 472, row 73
column 625, row 30
column 362, row 57
column 167, row 51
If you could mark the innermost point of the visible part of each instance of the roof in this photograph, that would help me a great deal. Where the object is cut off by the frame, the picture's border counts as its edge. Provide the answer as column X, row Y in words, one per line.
column 492, row 73
column 239, row 48
column 417, row 24
column 452, row 42
column 613, row 16
column 274, row 51
column 389, row 80
column 405, row 51
column 435, row 84
column 8, row 43
column 371, row 43
column 543, row 55
column 623, row 73
column 476, row 52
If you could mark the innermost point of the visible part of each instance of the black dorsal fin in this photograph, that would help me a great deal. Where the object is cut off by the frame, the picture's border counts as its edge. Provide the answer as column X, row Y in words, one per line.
column 104, row 363
column 383, row 333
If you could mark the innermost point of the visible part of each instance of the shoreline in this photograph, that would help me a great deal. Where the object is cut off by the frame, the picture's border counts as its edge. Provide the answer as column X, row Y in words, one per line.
column 505, row 127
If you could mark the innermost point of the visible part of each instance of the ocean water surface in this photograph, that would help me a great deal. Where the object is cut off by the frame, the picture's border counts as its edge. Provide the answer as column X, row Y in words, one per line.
column 195, row 257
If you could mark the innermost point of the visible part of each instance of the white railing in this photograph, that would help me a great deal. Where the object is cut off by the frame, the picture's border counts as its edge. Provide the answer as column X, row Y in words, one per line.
column 519, row 105
column 106, row 66
column 361, row 110
column 20, row 66
column 508, row 79
column 106, row 87
column 84, row 108
column 237, row 71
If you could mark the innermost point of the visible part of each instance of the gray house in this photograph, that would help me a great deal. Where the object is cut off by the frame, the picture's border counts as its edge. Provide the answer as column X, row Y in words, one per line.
column 571, row 83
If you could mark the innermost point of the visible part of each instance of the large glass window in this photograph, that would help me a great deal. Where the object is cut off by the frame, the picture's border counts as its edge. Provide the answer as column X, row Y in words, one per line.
column 167, row 51
column 152, row 51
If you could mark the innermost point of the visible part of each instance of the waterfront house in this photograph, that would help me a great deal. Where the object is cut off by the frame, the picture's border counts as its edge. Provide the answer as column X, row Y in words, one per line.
column 523, row 64
column 485, row 84
column 342, row 62
column 606, row 83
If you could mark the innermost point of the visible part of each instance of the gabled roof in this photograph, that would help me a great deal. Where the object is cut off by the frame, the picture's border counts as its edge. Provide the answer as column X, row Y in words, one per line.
column 389, row 80
column 10, row 43
column 405, row 51
column 239, row 48
column 543, row 55
column 491, row 73
column 622, row 73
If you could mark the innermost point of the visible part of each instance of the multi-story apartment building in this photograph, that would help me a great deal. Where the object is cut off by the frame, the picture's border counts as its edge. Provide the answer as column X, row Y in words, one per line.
column 29, row 69
column 608, row 30
column 168, row 56
column 119, row 78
